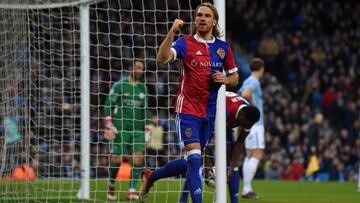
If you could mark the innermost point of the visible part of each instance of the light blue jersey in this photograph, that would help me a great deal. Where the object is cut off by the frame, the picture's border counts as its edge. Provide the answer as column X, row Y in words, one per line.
column 254, row 84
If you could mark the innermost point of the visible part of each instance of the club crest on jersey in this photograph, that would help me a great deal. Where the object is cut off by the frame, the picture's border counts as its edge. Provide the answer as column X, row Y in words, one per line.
column 188, row 132
column 142, row 95
column 221, row 53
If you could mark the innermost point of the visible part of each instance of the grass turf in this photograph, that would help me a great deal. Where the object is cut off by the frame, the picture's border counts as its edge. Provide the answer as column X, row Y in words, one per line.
column 168, row 191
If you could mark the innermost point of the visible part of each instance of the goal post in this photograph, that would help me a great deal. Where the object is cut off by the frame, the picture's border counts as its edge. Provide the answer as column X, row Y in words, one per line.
column 59, row 60
column 84, row 192
column 220, row 124
column 32, row 71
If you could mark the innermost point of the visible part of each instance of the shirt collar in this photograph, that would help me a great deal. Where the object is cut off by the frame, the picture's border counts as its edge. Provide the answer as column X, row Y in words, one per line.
column 201, row 40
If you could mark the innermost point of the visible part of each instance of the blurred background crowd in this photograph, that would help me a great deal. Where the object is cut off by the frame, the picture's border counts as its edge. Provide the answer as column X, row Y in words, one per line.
column 311, row 89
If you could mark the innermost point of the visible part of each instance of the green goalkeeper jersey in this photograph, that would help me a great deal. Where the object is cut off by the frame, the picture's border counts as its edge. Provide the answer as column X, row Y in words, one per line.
column 126, row 104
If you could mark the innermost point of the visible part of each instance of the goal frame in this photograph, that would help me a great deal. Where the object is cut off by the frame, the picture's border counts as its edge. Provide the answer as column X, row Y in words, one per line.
column 220, row 125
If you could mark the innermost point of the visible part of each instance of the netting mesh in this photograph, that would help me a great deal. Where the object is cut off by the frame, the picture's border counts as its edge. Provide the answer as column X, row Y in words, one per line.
column 40, row 92
column 13, row 96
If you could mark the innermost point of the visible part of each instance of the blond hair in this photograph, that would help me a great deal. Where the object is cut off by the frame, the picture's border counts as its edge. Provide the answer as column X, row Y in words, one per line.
column 215, row 30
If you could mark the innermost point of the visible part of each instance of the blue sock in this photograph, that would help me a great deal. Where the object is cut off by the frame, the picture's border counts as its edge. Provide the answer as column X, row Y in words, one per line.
column 185, row 193
column 193, row 178
column 172, row 168
column 233, row 186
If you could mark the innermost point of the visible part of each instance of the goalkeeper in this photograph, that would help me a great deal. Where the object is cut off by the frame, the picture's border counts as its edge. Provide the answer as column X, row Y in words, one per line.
column 234, row 105
column 125, row 116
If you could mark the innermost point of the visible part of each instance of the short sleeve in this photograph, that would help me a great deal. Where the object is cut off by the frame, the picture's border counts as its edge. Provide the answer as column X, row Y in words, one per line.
column 179, row 48
column 230, row 66
column 250, row 84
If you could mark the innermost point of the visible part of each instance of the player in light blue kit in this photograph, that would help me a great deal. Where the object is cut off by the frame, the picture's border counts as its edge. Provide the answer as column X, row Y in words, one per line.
column 255, row 141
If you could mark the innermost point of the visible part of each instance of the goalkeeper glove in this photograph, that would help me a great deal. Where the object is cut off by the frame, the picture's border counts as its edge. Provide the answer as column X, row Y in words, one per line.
column 147, row 133
column 110, row 129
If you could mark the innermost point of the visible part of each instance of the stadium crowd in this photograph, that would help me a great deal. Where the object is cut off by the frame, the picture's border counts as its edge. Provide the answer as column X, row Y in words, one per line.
column 311, row 88
column 311, row 96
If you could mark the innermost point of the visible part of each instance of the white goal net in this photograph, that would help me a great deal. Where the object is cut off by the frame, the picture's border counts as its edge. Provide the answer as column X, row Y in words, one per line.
column 40, row 112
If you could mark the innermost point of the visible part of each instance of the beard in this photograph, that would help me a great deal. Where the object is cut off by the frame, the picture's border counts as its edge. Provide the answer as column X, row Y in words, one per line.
column 203, row 29
column 136, row 76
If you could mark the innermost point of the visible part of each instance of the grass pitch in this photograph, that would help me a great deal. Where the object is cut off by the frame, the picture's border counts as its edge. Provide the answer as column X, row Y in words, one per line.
column 168, row 191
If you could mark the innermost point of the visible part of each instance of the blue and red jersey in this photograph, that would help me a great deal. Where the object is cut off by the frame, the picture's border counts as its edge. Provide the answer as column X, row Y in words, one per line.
column 234, row 103
column 200, row 59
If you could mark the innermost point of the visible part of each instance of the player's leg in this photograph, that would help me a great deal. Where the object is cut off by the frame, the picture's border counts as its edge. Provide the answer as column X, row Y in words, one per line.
column 172, row 168
column 116, row 151
column 249, row 170
column 193, row 178
column 234, row 185
column 186, row 130
column 184, row 194
column 255, row 145
column 195, row 142
column 191, row 130
column 234, row 182
column 136, row 149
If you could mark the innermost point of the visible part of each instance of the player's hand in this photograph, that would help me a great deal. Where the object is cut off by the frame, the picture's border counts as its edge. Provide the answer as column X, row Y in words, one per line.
column 110, row 129
column 210, row 179
column 230, row 174
column 178, row 23
column 147, row 133
column 219, row 77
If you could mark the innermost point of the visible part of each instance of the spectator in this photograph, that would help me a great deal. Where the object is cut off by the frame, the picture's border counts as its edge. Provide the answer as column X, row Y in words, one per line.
column 155, row 143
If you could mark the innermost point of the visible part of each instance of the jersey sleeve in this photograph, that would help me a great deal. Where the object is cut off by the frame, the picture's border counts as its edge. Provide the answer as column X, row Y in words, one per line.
column 250, row 84
column 230, row 66
column 146, row 109
column 111, row 99
column 179, row 48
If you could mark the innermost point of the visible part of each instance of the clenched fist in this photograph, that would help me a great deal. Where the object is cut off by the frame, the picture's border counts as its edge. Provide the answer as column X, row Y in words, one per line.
column 178, row 23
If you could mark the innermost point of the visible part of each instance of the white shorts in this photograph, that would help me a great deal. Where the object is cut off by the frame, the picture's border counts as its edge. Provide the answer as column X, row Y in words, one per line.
column 256, row 138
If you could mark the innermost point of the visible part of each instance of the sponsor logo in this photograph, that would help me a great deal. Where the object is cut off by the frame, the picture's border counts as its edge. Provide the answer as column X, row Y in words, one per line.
column 221, row 53
column 207, row 64
column 142, row 95
column 193, row 62
column 188, row 132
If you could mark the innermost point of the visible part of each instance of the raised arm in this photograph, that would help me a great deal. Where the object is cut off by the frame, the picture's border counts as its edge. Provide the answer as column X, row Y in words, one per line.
column 165, row 54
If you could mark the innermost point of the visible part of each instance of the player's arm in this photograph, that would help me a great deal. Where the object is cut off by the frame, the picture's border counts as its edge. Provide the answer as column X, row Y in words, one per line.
column 147, row 129
column 237, row 150
column 165, row 54
column 247, row 94
column 110, row 129
column 232, row 79
column 107, row 107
